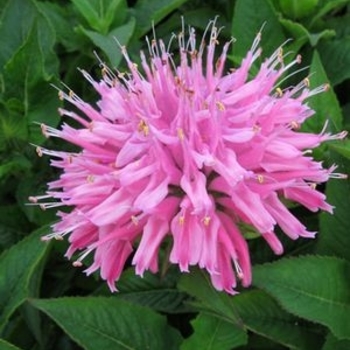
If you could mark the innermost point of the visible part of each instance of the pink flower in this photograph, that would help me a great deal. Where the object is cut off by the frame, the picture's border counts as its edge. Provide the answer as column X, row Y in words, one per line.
column 189, row 152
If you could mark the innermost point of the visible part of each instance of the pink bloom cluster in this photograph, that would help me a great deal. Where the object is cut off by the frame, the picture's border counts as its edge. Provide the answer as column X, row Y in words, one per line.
column 189, row 152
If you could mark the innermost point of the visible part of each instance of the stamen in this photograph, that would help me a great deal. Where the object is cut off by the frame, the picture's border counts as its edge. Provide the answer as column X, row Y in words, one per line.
column 256, row 128
column 295, row 125
column 238, row 269
column 135, row 220
column 143, row 127
column 260, row 178
column 206, row 220
column 39, row 151
column 220, row 106
column 279, row 92
column 60, row 95
column 181, row 220
column 90, row 178
column 180, row 134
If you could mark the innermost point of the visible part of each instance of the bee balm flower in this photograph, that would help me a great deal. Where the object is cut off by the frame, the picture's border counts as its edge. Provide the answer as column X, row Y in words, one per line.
column 189, row 152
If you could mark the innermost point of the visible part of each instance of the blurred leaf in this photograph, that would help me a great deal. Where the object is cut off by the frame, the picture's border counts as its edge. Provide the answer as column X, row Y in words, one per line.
column 148, row 13
column 12, row 217
column 4, row 345
column 261, row 314
column 332, row 343
column 247, row 23
column 302, row 35
column 17, row 267
column 328, row 6
column 15, row 164
column 340, row 24
column 108, row 323
column 212, row 333
column 100, row 14
column 312, row 287
column 335, row 55
column 324, row 104
column 108, row 44
column 297, row 8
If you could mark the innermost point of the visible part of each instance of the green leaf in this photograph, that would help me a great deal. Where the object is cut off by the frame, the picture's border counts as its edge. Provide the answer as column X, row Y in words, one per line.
column 4, row 345
column 211, row 333
column 108, row 323
column 197, row 284
column 302, row 35
column 262, row 315
column 29, row 68
column 329, row 5
column 334, row 238
column 15, row 22
column 17, row 267
column 155, row 291
column 150, row 13
column 100, row 14
column 324, row 104
column 33, row 185
column 297, row 8
column 340, row 24
column 332, row 343
column 108, row 43
column 312, row 287
column 63, row 20
column 335, row 55
column 342, row 147
column 247, row 23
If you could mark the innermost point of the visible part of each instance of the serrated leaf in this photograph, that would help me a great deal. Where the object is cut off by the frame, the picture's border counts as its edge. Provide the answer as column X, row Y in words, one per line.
column 197, row 284
column 148, row 13
column 324, row 104
column 247, row 23
column 262, row 315
column 312, row 287
column 158, row 293
column 4, row 345
column 108, row 44
column 17, row 266
column 108, row 323
column 211, row 333
column 152, row 290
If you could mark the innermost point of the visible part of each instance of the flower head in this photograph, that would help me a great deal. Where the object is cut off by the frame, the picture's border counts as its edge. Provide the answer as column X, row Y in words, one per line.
column 185, row 151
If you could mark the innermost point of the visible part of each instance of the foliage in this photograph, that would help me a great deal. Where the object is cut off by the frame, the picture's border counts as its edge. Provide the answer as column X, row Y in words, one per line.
column 301, row 301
